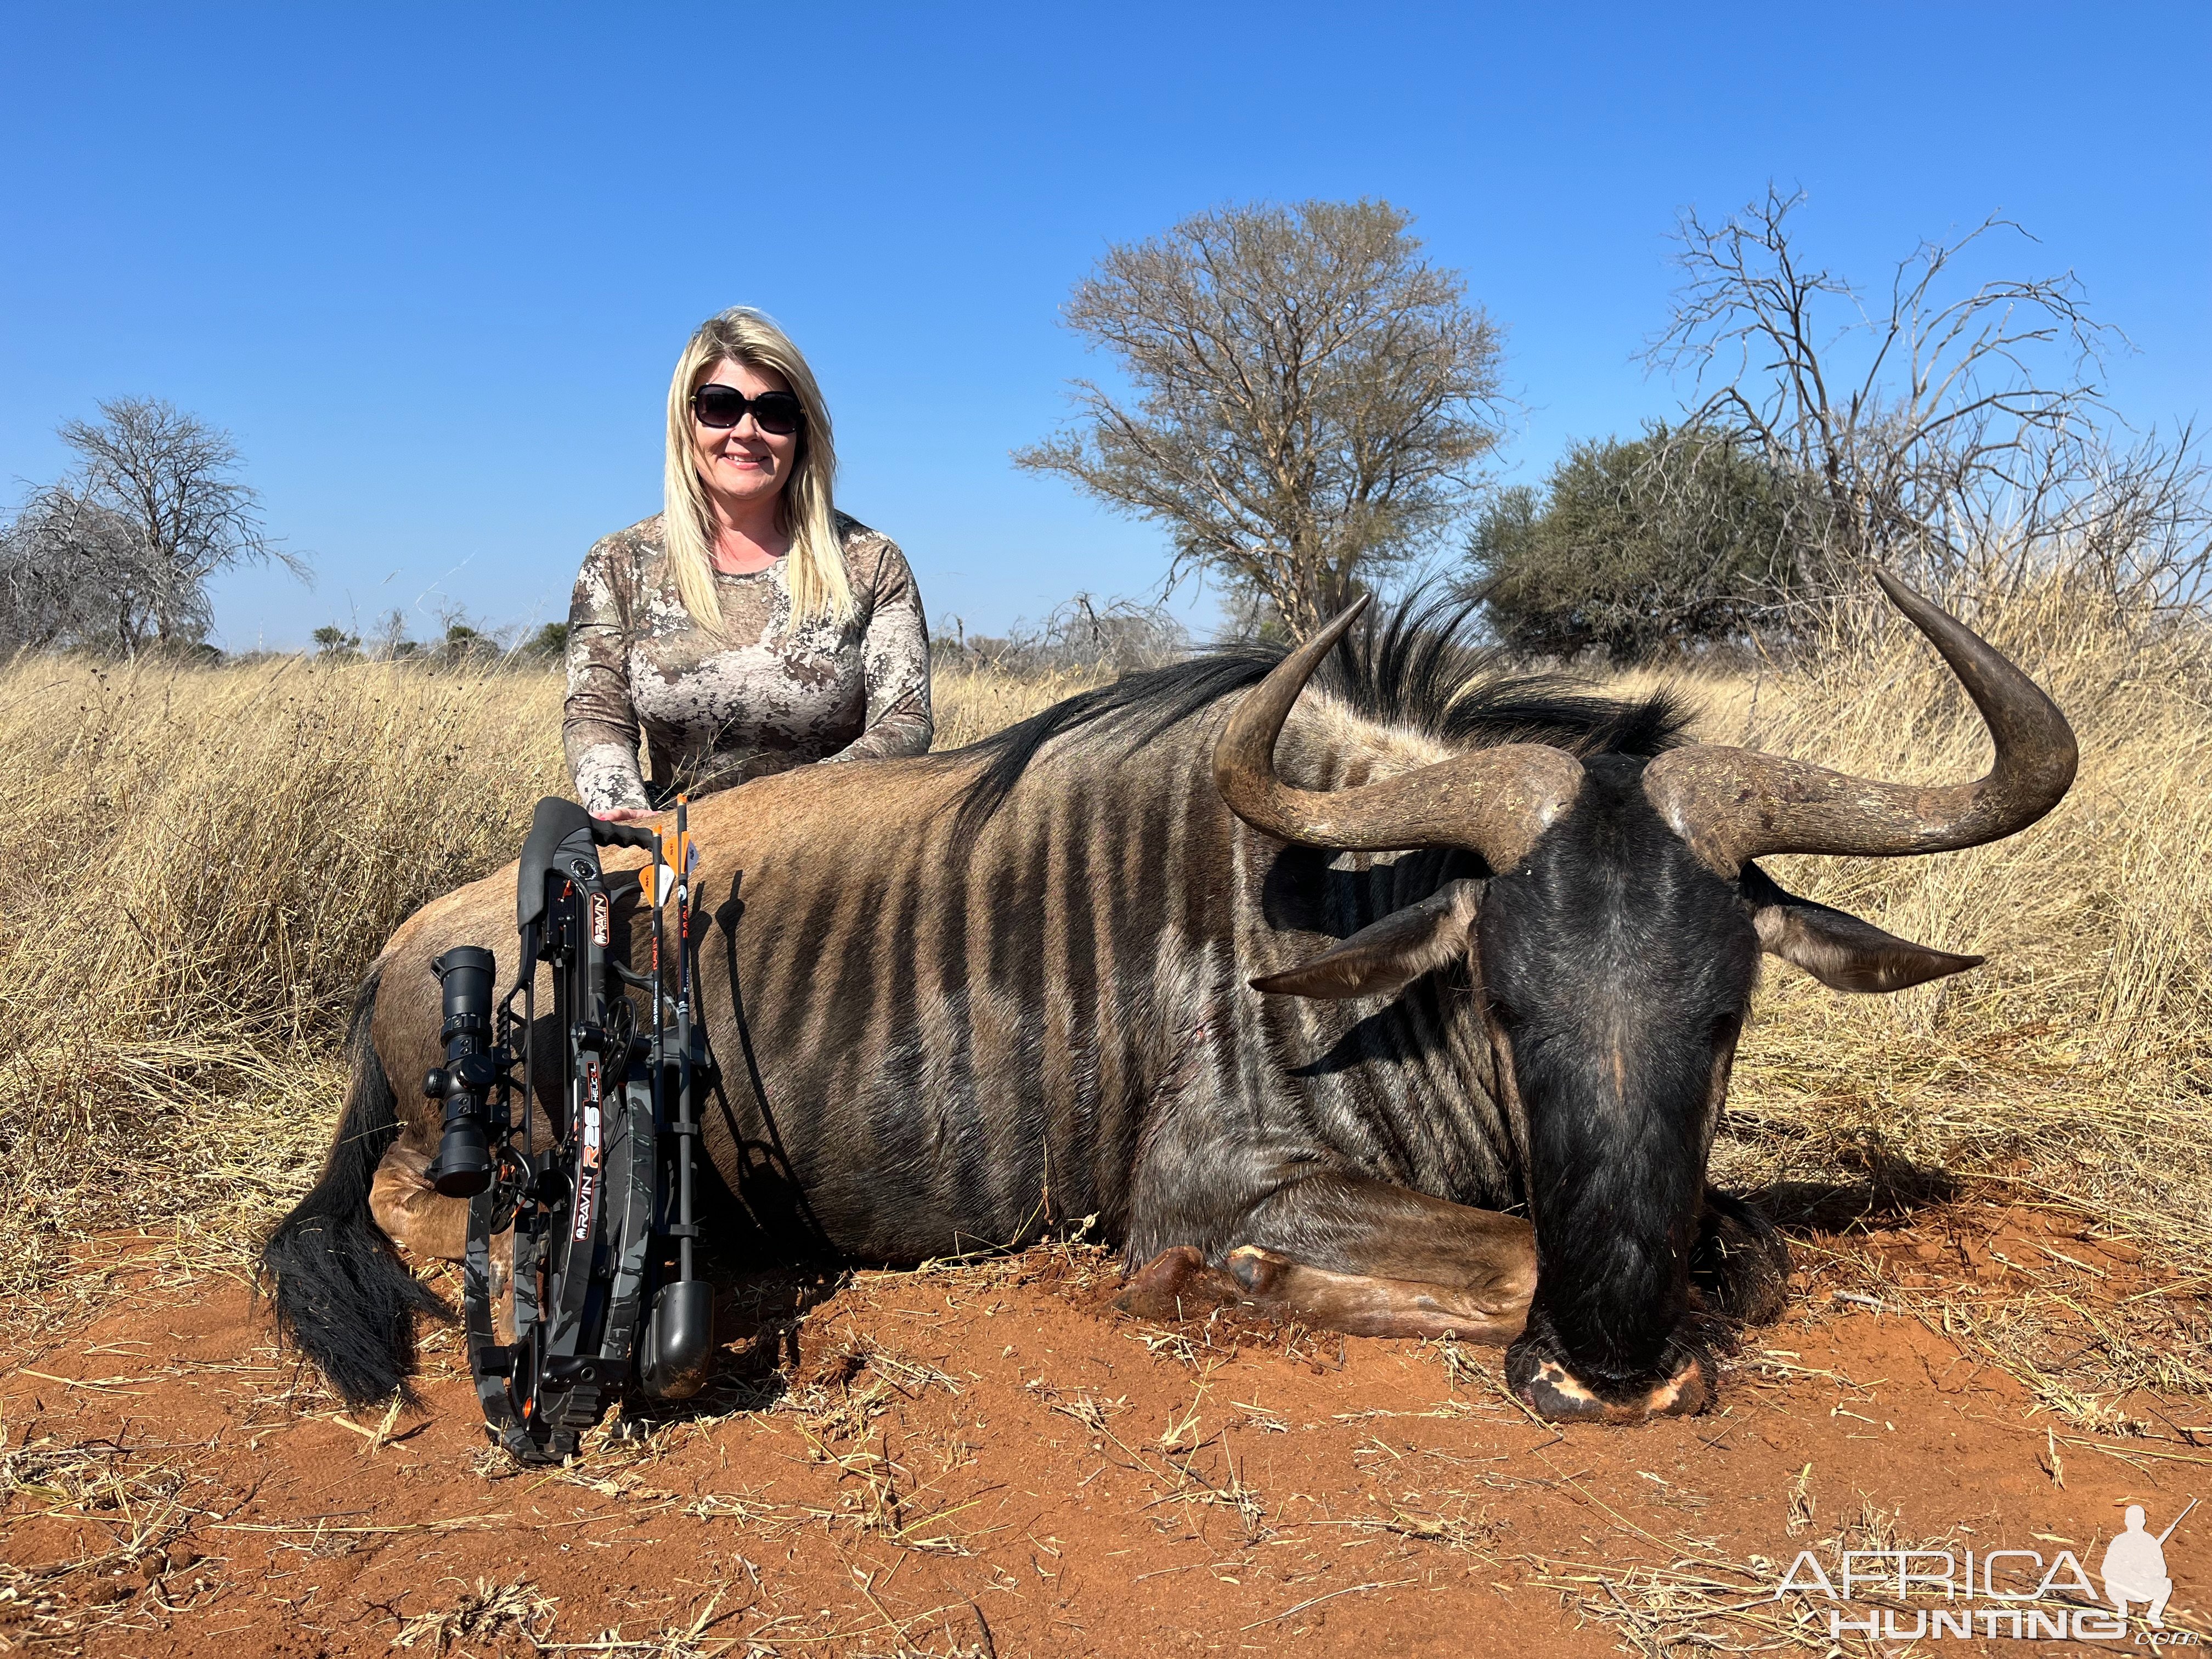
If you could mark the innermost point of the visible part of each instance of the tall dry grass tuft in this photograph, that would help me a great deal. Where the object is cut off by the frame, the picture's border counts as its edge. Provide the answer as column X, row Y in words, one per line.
column 972, row 702
column 200, row 863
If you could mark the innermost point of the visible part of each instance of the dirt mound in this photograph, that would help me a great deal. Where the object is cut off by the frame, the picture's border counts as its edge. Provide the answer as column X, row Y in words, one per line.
column 986, row 1459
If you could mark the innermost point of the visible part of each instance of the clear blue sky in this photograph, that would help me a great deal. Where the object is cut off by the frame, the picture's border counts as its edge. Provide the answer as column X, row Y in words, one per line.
column 431, row 265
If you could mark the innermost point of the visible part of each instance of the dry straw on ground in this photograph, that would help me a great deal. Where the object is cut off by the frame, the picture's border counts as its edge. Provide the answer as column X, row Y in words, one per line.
column 201, row 861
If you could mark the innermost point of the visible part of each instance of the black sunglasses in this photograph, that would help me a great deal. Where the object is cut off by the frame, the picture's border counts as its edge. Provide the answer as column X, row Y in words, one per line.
column 723, row 406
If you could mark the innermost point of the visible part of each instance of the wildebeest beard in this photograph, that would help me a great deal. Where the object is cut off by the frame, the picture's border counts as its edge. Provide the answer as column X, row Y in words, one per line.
column 1614, row 972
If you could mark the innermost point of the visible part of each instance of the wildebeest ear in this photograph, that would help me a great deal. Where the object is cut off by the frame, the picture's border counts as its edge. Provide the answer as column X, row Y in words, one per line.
column 1836, row 947
column 1393, row 952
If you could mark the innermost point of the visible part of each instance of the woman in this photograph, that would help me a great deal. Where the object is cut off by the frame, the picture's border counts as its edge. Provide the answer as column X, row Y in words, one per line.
column 750, row 627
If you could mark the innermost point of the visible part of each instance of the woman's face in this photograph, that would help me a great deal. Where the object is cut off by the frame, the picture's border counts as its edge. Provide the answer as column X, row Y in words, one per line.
column 742, row 466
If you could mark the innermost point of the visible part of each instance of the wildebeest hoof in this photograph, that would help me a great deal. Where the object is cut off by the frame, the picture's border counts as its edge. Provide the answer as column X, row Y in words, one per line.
column 1552, row 1393
column 1261, row 1271
column 1177, row 1284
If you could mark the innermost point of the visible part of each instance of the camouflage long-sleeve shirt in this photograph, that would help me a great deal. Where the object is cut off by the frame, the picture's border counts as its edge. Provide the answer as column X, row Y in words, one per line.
column 759, row 697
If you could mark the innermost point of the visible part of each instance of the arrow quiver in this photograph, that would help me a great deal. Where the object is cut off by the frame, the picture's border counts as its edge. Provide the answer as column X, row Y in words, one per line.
column 575, row 1137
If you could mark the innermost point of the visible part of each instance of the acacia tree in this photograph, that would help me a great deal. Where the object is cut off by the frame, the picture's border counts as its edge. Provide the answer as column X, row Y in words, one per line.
column 171, row 482
column 1311, row 397
column 1953, row 424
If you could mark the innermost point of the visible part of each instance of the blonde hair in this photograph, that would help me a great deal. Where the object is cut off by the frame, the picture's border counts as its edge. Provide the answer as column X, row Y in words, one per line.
column 814, row 571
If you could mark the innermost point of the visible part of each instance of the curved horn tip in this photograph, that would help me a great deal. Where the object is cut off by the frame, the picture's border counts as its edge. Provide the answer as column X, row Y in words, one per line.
column 1335, row 628
column 1923, row 612
column 1303, row 659
column 1905, row 599
column 1734, row 805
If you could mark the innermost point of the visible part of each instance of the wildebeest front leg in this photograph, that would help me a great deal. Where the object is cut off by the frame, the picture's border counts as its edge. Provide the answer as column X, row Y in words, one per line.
column 1349, row 1254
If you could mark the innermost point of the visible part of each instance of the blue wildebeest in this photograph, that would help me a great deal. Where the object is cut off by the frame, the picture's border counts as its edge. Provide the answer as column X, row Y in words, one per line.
column 1405, row 1006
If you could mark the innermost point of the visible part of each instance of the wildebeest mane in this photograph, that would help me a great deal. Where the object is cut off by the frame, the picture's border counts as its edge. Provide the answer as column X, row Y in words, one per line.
column 1409, row 666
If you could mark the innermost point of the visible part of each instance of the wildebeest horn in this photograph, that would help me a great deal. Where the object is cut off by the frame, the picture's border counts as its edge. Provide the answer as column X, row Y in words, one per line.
column 1494, row 801
column 1734, row 804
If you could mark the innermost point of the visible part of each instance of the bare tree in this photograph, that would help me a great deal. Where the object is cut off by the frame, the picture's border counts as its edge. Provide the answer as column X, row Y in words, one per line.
column 1311, row 397
column 1954, row 425
column 70, row 574
column 172, row 481
column 388, row 640
column 1119, row 634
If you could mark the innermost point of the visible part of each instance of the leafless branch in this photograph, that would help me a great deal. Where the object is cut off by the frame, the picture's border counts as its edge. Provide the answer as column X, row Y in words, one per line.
column 1961, row 430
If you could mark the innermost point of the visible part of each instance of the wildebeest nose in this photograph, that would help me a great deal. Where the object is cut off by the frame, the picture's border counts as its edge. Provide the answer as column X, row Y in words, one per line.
column 1554, row 1393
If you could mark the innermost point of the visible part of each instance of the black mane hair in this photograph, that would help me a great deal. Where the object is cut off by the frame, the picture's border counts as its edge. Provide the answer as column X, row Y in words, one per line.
column 1407, row 666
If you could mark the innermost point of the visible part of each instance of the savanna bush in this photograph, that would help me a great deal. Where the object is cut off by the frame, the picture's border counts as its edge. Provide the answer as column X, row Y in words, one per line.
column 1639, row 547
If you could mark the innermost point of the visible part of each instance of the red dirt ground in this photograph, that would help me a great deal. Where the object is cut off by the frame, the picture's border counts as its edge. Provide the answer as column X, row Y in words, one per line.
column 987, row 1460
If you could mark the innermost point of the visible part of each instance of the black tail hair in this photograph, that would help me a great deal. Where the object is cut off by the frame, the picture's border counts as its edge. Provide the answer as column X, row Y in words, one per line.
column 341, row 1292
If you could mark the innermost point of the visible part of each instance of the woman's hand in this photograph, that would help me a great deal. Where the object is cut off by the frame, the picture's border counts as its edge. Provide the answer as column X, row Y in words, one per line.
column 626, row 814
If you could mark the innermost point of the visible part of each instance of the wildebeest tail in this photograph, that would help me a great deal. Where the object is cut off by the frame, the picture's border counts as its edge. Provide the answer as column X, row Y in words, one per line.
column 341, row 1292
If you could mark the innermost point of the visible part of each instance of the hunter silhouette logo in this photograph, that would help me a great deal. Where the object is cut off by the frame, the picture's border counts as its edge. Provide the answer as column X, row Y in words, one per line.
column 2133, row 1568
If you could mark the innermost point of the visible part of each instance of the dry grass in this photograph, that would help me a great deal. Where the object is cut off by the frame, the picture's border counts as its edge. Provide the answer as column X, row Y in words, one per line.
column 971, row 703
column 202, row 860
column 481, row 1616
column 131, row 1508
column 2077, row 1063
